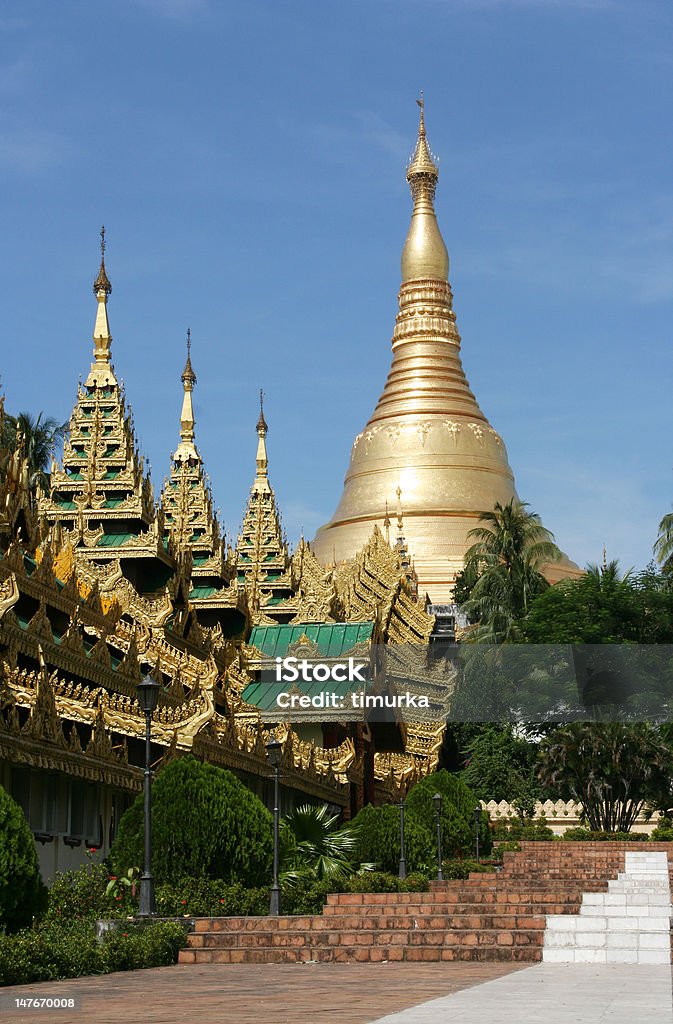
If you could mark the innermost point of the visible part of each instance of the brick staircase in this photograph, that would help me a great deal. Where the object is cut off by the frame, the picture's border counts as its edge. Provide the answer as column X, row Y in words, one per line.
column 488, row 917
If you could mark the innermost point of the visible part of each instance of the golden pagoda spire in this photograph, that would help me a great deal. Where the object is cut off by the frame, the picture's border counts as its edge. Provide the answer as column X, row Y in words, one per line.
column 261, row 483
column 101, row 374
column 186, row 451
column 427, row 434
column 424, row 254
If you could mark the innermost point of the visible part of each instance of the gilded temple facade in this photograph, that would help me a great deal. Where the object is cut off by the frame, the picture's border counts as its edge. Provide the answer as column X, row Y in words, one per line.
column 101, row 584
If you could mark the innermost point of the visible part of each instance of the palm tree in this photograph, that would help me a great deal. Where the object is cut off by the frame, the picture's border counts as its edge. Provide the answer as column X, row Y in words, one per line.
column 503, row 569
column 40, row 438
column 313, row 846
column 663, row 547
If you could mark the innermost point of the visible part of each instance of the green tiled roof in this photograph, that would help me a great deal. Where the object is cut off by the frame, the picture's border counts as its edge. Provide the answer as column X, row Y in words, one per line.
column 263, row 695
column 114, row 540
column 113, row 502
column 66, row 504
column 332, row 639
column 197, row 592
column 111, row 474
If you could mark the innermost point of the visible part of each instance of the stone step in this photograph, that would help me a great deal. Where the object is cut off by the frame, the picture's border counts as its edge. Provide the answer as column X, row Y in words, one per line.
column 318, row 926
column 362, row 954
column 529, row 936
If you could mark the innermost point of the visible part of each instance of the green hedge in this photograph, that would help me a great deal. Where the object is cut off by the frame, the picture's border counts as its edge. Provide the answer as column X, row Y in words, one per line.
column 80, row 895
column 205, row 823
column 23, row 895
column 585, row 835
column 379, row 827
column 52, row 951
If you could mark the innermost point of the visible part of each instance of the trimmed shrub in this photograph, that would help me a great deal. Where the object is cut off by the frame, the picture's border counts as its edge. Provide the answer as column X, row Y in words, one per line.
column 663, row 832
column 457, row 818
column 585, row 835
column 53, row 951
column 49, row 952
column 378, row 842
column 23, row 895
column 80, row 895
column 210, row 897
column 514, row 830
column 140, row 946
column 457, row 868
column 205, row 823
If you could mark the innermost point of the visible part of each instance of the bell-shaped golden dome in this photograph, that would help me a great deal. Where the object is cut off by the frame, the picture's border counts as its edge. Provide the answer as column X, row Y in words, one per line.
column 427, row 436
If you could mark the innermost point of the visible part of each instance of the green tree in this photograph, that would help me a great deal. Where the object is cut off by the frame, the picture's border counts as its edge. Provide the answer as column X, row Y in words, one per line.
column 502, row 766
column 22, row 893
column 603, row 607
column 205, row 824
column 313, row 844
column 378, row 839
column 613, row 770
column 663, row 547
column 40, row 439
column 457, row 815
column 503, row 570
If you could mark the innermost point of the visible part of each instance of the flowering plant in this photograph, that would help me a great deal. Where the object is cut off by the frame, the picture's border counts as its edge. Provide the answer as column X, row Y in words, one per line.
column 117, row 884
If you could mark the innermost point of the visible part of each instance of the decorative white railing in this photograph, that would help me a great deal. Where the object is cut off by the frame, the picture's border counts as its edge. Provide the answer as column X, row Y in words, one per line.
column 559, row 814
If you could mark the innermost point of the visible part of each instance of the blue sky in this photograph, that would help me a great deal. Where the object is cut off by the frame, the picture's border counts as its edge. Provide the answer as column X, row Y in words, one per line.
column 248, row 162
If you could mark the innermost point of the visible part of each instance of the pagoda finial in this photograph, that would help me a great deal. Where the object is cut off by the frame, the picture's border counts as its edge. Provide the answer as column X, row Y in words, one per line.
column 261, row 422
column 101, row 374
column 102, row 282
column 424, row 254
column 421, row 126
column 262, row 478
column 186, row 452
column 188, row 374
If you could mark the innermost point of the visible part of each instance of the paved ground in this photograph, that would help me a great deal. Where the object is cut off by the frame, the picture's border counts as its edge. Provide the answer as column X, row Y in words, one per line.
column 396, row 993
column 555, row 994
column 251, row 993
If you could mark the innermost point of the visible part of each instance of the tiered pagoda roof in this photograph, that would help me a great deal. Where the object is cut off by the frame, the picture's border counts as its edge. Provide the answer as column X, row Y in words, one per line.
column 101, row 495
column 190, row 524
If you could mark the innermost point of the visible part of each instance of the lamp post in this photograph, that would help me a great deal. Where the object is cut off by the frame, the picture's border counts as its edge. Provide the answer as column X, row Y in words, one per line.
column 402, row 873
column 477, row 823
column 274, row 752
column 437, row 802
column 148, row 697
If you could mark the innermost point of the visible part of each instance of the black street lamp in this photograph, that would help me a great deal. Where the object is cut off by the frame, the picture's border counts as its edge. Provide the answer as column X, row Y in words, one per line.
column 477, row 823
column 437, row 801
column 148, row 697
column 274, row 752
column 402, row 873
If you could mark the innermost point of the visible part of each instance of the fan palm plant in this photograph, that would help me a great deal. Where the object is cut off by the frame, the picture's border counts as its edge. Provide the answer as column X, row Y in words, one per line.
column 313, row 845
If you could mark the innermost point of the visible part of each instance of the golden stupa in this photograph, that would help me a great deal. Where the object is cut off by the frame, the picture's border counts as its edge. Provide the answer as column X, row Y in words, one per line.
column 427, row 437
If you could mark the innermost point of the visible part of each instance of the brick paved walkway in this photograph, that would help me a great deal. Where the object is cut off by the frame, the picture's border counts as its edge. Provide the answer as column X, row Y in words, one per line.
column 255, row 994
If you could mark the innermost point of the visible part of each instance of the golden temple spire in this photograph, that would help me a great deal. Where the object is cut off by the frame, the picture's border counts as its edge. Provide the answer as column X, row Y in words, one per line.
column 101, row 373
column 386, row 524
column 261, row 483
column 424, row 254
column 186, row 451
